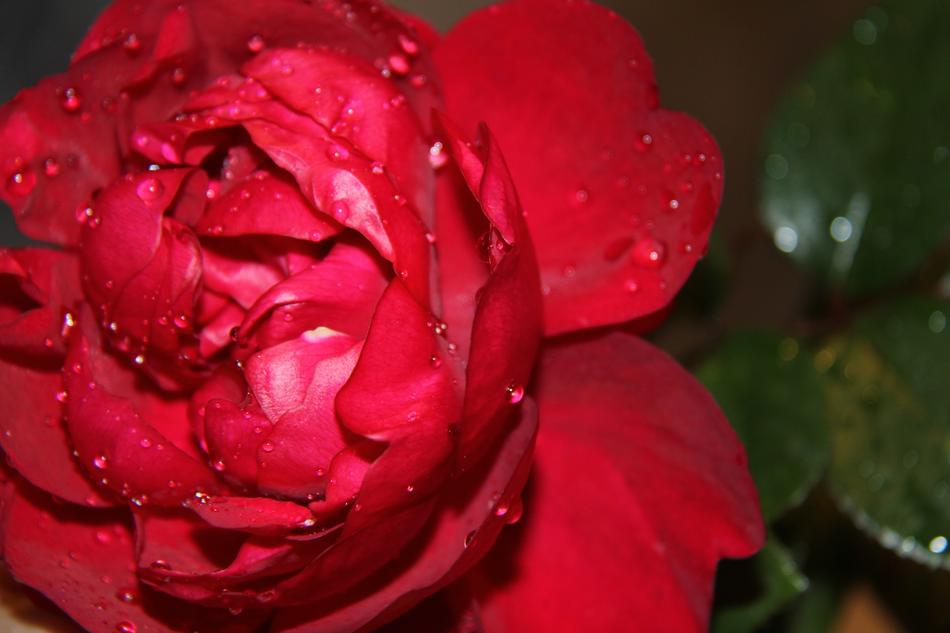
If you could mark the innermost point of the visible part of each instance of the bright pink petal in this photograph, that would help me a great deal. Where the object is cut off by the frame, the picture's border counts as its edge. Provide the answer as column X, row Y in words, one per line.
column 83, row 560
column 641, row 487
column 465, row 525
column 620, row 195
column 340, row 292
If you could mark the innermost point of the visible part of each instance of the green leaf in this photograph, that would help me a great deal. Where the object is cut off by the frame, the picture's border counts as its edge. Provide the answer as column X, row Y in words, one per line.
column 888, row 398
column 857, row 167
column 769, row 390
column 781, row 582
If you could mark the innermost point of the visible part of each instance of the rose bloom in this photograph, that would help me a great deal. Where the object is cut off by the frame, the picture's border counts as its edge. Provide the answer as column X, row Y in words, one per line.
column 324, row 296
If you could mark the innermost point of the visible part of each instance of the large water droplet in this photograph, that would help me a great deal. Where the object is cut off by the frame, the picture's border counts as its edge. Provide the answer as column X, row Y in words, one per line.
column 125, row 627
column 407, row 44
column 256, row 44
column 469, row 539
column 100, row 461
column 70, row 100
column 648, row 253
column 515, row 393
column 51, row 167
column 132, row 44
column 267, row 446
column 438, row 157
column 150, row 189
column 21, row 182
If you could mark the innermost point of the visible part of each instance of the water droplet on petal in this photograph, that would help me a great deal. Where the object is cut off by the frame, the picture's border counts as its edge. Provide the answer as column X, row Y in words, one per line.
column 132, row 44
column 644, row 143
column 340, row 210
column 69, row 100
column 255, row 44
column 101, row 462
column 515, row 393
column 179, row 76
column 267, row 446
column 51, row 167
column 337, row 152
column 21, row 182
column 125, row 627
column 407, row 44
column 470, row 538
column 649, row 253
column 126, row 595
column 438, row 157
column 398, row 64
column 150, row 189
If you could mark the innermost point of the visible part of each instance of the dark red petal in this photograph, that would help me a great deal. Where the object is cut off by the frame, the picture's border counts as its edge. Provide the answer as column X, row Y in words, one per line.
column 266, row 204
column 350, row 98
column 232, row 269
column 257, row 515
column 38, row 287
column 142, row 268
column 641, row 487
column 507, row 325
column 620, row 195
column 33, row 437
column 83, row 560
column 405, row 391
column 131, row 442
column 465, row 525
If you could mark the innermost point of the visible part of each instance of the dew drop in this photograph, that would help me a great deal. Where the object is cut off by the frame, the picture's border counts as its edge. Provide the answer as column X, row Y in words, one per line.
column 179, row 76
column 21, row 182
column 337, row 152
column 267, row 446
column 218, row 465
column 631, row 285
column 255, row 44
column 126, row 595
column 469, row 539
column 407, row 44
column 101, row 462
column 515, row 393
column 132, row 44
column 340, row 210
column 62, row 396
column 398, row 64
column 438, row 157
column 648, row 253
column 150, row 189
column 581, row 196
column 51, row 167
column 145, row 442
column 435, row 361
column 69, row 100
column 125, row 627
column 644, row 143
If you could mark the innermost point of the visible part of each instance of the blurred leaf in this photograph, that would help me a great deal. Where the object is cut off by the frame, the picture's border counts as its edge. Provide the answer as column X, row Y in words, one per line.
column 781, row 582
column 770, row 392
column 816, row 610
column 888, row 398
column 857, row 173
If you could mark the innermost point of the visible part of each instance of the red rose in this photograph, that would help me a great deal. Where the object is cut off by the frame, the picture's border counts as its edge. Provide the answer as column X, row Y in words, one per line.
column 276, row 370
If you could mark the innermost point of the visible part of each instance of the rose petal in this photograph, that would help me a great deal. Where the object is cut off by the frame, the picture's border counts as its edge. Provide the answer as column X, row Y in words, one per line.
column 94, row 582
column 625, row 477
column 115, row 440
column 340, row 292
column 256, row 515
column 464, row 528
column 33, row 437
column 635, row 188
column 507, row 324
column 266, row 204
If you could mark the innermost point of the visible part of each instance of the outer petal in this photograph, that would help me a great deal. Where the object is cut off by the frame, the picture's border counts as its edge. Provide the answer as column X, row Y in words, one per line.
column 641, row 488
column 95, row 583
column 464, row 528
column 620, row 195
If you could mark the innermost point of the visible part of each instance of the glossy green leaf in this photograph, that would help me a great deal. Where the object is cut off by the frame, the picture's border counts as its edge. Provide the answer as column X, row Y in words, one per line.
column 857, row 166
column 888, row 398
column 769, row 390
column 781, row 583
